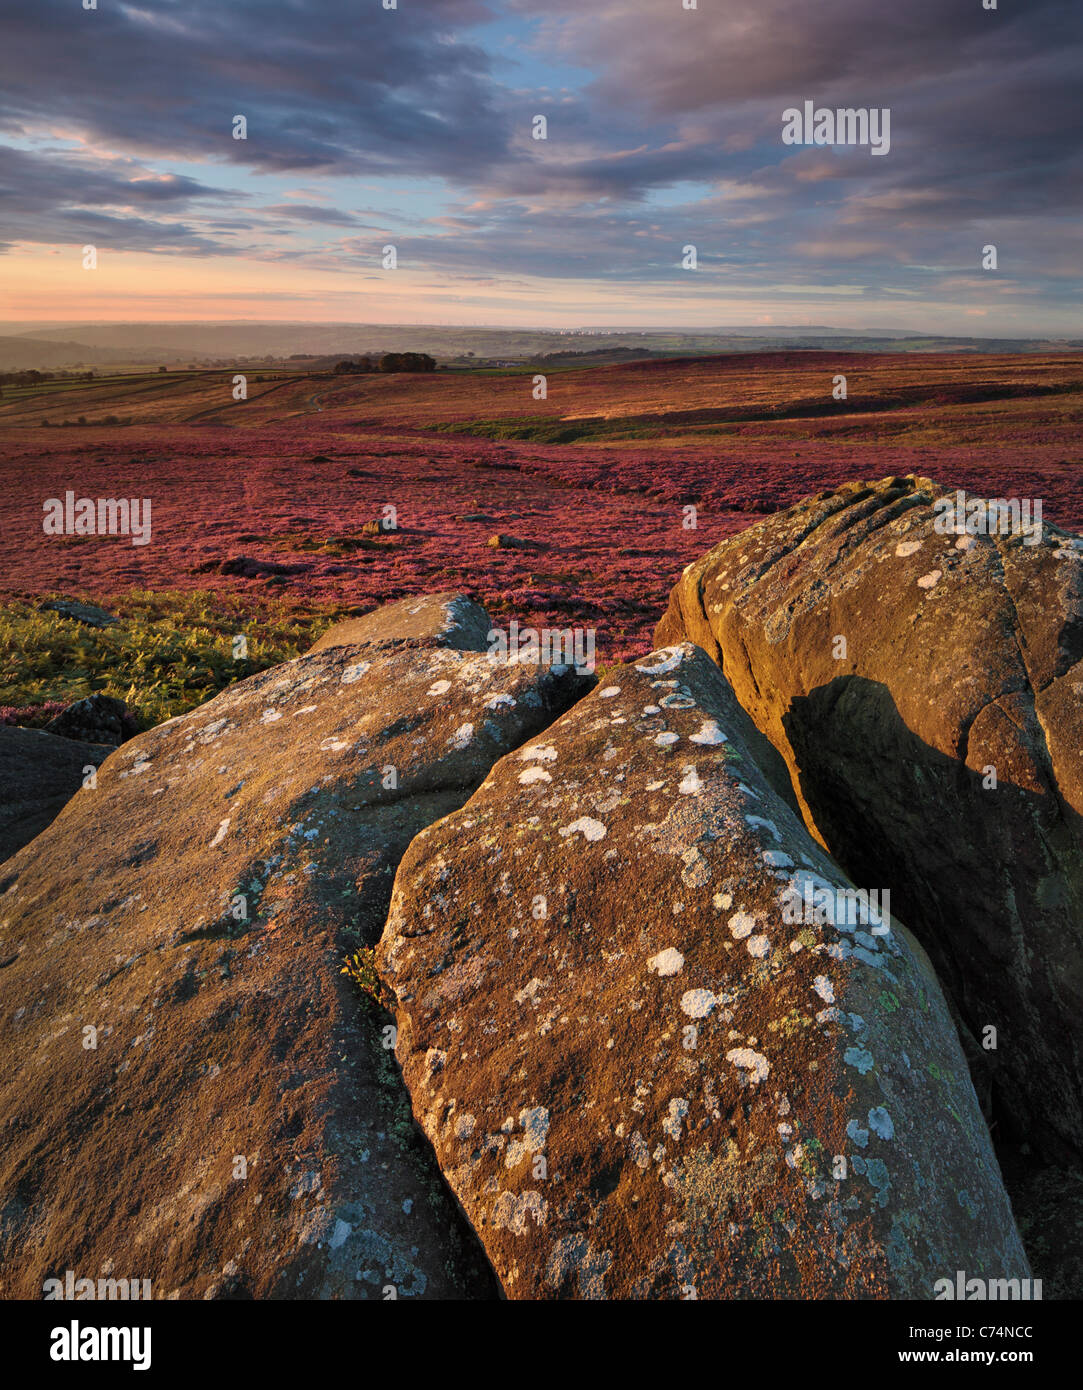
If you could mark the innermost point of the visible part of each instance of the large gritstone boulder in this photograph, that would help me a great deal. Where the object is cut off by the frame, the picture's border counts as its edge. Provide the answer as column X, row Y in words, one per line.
column 661, row 1046
column 192, row 1092
column 40, row 773
column 446, row 620
column 917, row 658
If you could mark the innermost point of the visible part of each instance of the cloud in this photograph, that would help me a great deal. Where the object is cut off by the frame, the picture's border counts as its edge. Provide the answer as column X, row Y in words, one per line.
column 308, row 212
column 329, row 86
column 664, row 129
column 56, row 198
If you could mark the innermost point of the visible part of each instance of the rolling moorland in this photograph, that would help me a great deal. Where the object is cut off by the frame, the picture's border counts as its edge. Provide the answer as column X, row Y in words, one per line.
column 265, row 512
column 572, row 510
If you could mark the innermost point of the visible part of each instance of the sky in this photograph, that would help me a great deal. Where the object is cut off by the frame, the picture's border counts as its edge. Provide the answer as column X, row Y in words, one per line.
column 413, row 127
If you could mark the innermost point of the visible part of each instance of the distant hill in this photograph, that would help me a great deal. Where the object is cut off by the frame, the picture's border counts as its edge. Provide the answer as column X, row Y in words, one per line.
column 27, row 354
column 45, row 346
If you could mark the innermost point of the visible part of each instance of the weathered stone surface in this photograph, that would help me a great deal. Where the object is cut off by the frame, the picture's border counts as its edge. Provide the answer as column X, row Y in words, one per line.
column 639, row 1080
column 95, row 719
column 501, row 541
column 89, row 614
column 40, row 773
column 443, row 620
column 195, row 910
column 962, row 655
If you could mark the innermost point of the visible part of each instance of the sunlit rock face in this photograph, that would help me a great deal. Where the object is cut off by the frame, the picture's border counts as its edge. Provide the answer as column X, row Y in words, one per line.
column 654, row 1055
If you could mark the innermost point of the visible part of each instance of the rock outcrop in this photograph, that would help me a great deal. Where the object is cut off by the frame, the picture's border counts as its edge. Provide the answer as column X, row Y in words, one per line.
column 88, row 614
column 95, row 719
column 191, row 1091
column 447, row 620
column 40, row 773
column 924, row 689
column 656, row 1055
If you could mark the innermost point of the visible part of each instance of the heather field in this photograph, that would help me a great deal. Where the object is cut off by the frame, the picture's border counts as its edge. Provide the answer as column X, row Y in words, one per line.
column 262, row 510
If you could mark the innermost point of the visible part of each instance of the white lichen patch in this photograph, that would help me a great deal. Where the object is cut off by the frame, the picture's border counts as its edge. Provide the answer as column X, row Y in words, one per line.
column 535, row 1123
column 540, row 752
column 355, row 672
column 665, row 740
column 667, row 962
column 696, row 872
column 859, row 1058
column 439, row 688
column 511, row 1211
column 754, row 1064
column 590, row 828
column 930, row 580
column 609, row 692
column 697, row 1003
column 823, row 987
column 905, row 548
column 678, row 1109
column 690, row 784
column 880, row 1123
column 671, row 659
column 462, row 737
column 534, row 774
column 709, row 734
column 741, row 925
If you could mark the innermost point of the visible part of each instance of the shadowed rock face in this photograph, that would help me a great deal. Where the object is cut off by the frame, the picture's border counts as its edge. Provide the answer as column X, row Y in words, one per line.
column 446, row 620
column 640, row 1080
column 190, row 1088
column 95, row 719
column 40, row 773
column 962, row 656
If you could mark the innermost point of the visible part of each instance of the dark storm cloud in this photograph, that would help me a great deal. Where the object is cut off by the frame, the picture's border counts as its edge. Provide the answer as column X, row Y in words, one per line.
column 329, row 85
column 53, row 197
column 678, row 62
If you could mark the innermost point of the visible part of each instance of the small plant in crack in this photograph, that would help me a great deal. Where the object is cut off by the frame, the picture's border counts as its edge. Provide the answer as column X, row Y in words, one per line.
column 361, row 968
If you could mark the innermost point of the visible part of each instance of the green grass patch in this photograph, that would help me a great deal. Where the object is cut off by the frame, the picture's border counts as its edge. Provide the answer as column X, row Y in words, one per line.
column 170, row 651
column 361, row 968
column 537, row 429
column 548, row 430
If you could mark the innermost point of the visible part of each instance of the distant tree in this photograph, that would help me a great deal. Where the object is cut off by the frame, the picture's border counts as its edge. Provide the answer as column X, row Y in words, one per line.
column 407, row 362
column 163, row 369
column 352, row 366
